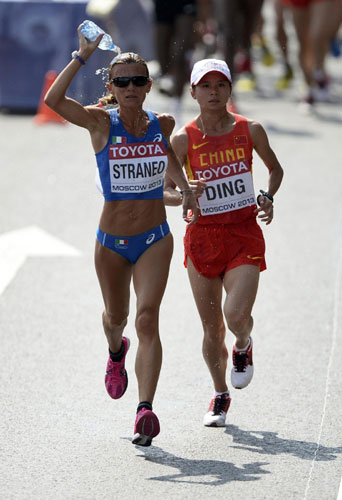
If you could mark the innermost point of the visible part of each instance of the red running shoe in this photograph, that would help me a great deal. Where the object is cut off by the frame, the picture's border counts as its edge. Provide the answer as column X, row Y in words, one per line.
column 216, row 416
column 242, row 371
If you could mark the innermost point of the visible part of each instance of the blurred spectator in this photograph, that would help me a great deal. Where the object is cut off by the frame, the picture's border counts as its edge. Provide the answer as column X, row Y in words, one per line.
column 237, row 20
column 259, row 41
column 267, row 57
column 205, row 28
column 174, row 40
column 315, row 22
column 280, row 12
column 336, row 24
column 129, row 22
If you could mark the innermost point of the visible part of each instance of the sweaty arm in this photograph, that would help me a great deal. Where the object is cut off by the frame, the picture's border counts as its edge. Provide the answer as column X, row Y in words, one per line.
column 180, row 147
column 172, row 196
column 176, row 177
column 266, row 153
column 94, row 119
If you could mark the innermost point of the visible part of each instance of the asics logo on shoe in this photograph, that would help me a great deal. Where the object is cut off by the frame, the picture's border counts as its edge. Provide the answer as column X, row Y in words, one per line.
column 253, row 257
column 196, row 146
column 150, row 239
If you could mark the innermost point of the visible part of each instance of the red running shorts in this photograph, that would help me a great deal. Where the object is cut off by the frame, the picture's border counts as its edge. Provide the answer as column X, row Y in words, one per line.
column 215, row 249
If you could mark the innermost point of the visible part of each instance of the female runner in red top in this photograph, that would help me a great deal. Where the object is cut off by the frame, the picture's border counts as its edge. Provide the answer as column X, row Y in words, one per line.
column 225, row 249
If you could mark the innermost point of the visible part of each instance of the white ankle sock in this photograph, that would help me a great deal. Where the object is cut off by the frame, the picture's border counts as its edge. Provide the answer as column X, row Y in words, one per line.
column 220, row 393
column 244, row 348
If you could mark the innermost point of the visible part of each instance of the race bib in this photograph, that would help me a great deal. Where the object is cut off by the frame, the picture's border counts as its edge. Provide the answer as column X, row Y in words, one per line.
column 227, row 194
column 137, row 167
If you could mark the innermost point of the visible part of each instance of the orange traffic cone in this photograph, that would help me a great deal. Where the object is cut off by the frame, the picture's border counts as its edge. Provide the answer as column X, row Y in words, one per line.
column 46, row 114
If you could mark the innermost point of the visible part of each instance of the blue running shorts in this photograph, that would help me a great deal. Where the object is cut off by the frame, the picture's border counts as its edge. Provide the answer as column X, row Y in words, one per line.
column 132, row 247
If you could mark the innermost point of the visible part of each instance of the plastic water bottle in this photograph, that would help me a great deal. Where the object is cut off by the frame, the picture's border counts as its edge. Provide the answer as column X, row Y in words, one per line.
column 91, row 31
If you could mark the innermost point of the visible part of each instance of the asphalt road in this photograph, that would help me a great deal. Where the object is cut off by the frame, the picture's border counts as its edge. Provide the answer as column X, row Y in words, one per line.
column 62, row 436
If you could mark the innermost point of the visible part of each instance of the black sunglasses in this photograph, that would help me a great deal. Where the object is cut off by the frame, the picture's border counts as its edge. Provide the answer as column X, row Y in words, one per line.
column 123, row 81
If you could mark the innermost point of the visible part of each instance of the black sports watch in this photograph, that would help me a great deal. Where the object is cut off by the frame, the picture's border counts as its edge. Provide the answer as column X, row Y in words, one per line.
column 266, row 194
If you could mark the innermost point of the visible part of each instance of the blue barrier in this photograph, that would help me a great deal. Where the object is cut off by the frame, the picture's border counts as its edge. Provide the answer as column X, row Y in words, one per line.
column 36, row 37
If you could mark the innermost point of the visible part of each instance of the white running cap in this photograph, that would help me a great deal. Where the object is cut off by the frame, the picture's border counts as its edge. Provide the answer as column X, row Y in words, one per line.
column 201, row 68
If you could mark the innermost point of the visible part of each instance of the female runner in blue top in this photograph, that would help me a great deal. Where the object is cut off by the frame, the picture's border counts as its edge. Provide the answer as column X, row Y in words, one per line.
column 132, row 150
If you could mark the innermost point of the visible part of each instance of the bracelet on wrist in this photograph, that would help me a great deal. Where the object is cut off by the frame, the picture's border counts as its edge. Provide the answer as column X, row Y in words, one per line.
column 186, row 191
column 75, row 55
column 266, row 194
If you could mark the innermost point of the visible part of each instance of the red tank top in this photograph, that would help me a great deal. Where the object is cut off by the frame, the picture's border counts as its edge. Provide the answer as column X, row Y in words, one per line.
column 225, row 164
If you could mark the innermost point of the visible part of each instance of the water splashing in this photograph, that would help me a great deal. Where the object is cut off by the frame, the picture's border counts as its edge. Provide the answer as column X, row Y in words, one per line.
column 103, row 72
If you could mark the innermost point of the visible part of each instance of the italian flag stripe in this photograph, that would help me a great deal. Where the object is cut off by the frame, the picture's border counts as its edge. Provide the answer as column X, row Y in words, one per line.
column 118, row 140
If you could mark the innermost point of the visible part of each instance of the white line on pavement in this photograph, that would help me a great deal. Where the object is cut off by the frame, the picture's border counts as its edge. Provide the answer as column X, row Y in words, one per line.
column 17, row 245
column 337, row 298
column 339, row 496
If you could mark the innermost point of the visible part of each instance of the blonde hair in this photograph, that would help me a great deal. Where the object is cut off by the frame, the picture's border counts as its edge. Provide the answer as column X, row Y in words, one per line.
column 125, row 58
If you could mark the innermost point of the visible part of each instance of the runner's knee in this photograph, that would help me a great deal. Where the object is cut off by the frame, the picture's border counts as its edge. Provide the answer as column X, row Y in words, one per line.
column 214, row 331
column 237, row 321
column 113, row 323
column 146, row 322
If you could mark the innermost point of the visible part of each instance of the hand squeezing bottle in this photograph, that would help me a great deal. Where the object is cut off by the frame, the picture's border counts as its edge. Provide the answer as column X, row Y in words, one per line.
column 91, row 31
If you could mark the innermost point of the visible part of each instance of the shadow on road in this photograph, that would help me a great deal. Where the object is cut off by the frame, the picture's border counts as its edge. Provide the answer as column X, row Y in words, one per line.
column 268, row 443
column 331, row 118
column 216, row 472
column 206, row 472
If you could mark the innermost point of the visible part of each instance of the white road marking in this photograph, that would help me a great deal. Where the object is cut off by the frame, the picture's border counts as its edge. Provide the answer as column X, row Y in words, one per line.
column 337, row 300
column 339, row 496
column 16, row 246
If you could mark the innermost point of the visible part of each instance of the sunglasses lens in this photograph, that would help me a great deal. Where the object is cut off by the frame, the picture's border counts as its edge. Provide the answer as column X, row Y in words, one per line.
column 139, row 81
column 123, row 81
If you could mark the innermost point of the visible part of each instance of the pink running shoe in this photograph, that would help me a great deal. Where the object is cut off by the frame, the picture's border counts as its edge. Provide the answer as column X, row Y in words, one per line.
column 116, row 376
column 146, row 427
column 242, row 371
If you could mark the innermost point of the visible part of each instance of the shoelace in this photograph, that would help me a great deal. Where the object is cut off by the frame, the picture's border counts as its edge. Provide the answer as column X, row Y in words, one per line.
column 121, row 372
column 219, row 405
column 240, row 361
column 113, row 368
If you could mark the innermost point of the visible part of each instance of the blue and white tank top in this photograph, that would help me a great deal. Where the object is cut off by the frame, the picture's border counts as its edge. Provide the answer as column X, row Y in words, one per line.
column 132, row 168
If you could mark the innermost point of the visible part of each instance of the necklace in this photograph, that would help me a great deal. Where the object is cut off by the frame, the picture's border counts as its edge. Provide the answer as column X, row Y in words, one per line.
column 203, row 129
column 204, row 133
